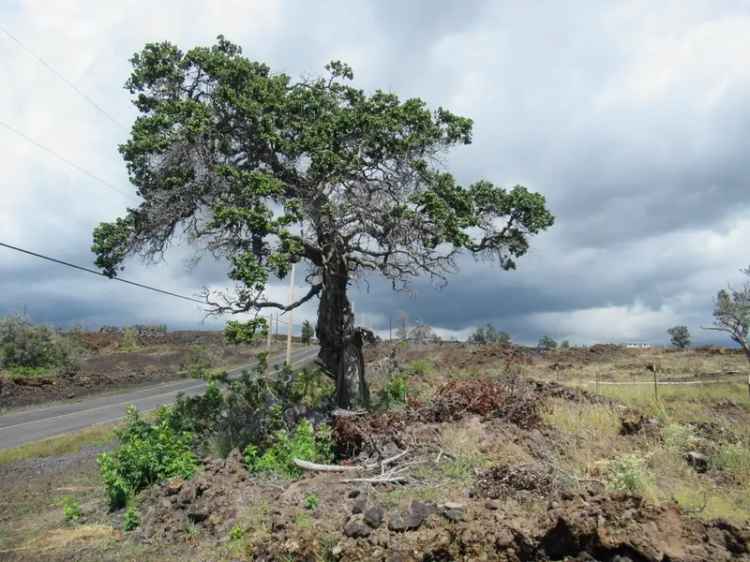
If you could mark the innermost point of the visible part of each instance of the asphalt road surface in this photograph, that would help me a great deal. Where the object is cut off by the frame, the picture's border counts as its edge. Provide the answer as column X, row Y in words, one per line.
column 40, row 423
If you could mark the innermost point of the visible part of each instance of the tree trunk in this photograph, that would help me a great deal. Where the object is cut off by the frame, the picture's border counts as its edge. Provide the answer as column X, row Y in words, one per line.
column 340, row 343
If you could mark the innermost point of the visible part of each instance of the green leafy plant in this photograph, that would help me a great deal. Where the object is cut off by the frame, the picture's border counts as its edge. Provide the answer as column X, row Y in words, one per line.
column 71, row 509
column 627, row 474
column 236, row 533
column 132, row 519
column 29, row 350
column 147, row 453
column 394, row 391
column 679, row 437
column 129, row 341
column 312, row 501
column 304, row 443
column 199, row 363
column 733, row 458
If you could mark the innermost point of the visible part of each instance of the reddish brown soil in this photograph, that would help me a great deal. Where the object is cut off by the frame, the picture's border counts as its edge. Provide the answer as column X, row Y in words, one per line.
column 106, row 367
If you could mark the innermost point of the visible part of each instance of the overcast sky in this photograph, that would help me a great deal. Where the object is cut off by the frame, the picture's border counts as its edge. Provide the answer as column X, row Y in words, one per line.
column 630, row 117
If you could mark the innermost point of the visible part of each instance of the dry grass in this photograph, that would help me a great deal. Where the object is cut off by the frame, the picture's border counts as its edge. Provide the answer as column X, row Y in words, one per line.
column 62, row 445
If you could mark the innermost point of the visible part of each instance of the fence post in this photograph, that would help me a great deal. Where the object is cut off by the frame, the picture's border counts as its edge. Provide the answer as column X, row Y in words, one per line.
column 656, row 387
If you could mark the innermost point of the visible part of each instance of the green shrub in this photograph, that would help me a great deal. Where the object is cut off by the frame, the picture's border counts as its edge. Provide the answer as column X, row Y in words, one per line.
column 199, row 363
column 147, row 453
column 627, row 474
column 679, row 437
column 733, row 458
column 129, row 341
column 131, row 520
column 419, row 367
column 312, row 501
column 236, row 533
column 29, row 349
column 304, row 443
column 394, row 391
column 71, row 509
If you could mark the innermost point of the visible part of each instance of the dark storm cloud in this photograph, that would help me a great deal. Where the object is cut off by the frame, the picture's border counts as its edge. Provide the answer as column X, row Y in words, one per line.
column 629, row 118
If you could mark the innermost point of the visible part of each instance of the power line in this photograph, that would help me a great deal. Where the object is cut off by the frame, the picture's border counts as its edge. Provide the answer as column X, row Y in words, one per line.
column 64, row 159
column 100, row 274
column 75, row 88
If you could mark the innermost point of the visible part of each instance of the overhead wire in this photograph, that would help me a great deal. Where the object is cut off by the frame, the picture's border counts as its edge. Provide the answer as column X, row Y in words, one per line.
column 70, row 84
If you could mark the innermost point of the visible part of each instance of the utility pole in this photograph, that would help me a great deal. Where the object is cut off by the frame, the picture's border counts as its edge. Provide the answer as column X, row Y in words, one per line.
column 289, row 320
column 390, row 329
column 270, row 330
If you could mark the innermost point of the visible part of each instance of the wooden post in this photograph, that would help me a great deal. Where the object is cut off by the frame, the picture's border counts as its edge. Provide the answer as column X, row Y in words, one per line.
column 656, row 387
column 289, row 320
column 270, row 331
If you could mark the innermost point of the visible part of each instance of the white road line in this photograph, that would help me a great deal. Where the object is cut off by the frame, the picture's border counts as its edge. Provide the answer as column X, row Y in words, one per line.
column 129, row 401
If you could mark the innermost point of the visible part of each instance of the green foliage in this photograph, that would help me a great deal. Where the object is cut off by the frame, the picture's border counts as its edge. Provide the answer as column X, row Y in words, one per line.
column 304, row 442
column 679, row 437
column 308, row 332
column 680, row 336
column 199, row 363
column 489, row 334
column 546, row 342
column 32, row 350
column 147, row 453
column 418, row 367
column 129, row 341
column 733, row 458
column 394, row 392
column 312, row 501
column 131, row 519
column 565, row 344
column 71, row 509
column 627, row 474
column 236, row 533
column 277, row 152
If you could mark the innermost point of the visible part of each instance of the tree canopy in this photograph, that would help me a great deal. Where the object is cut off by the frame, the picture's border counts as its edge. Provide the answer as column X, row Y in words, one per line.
column 266, row 171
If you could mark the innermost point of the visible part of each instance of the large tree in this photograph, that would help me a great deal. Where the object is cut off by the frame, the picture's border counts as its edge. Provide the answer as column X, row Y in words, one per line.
column 266, row 171
column 732, row 315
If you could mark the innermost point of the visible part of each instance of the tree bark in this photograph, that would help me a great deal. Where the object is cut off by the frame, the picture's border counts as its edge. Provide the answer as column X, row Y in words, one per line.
column 340, row 343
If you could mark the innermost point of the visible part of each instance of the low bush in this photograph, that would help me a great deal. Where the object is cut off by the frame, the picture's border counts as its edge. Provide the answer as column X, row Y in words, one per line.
column 147, row 453
column 199, row 363
column 733, row 458
column 304, row 442
column 30, row 350
column 131, row 520
column 394, row 391
column 71, row 509
column 628, row 474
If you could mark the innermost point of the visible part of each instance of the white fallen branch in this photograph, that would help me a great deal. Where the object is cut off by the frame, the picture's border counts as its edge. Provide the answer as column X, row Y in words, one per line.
column 378, row 480
column 307, row 465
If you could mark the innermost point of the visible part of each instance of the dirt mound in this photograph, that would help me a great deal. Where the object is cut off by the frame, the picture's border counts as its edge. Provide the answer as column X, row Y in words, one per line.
column 209, row 501
column 508, row 480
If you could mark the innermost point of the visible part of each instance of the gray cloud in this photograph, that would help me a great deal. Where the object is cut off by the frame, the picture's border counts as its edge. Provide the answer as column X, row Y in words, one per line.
column 629, row 118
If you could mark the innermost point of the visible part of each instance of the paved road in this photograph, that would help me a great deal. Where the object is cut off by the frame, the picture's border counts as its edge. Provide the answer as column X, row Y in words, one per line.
column 40, row 423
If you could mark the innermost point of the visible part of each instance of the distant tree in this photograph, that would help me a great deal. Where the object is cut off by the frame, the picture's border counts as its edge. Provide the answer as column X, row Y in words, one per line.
column 423, row 333
column 565, row 344
column 266, row 171
column 307, row 332
column 680, row 336
column 546, row 342
column 732, row 314
column 503, row 338
column 489, row 334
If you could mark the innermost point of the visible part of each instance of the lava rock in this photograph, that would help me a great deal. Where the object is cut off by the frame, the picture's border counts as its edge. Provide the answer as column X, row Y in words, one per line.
column 374, row 516
column 356, row 527
column 697, row 460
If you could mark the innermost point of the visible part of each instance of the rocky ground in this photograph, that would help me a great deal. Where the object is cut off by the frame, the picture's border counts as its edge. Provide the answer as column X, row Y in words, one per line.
column 106, row 364
column 482, row 462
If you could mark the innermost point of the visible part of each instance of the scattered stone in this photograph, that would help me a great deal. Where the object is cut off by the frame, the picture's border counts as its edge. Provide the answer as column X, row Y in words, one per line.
column 359, row 505
column 356, row 528
column 697, row 460
column 374, row 516
column 454, row 515
column 492, row 505
column 172, row 487
column 355, row 493
column 197, row 515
